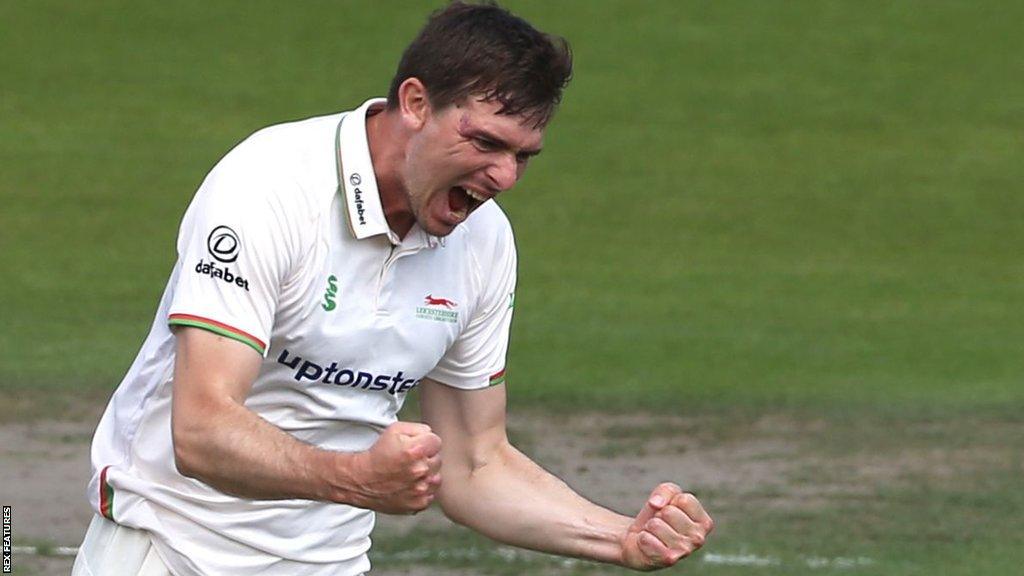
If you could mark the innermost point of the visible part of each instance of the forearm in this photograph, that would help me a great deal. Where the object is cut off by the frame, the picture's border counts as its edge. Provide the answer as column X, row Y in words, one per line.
column 493, row 488
column 511, row 499
column 240, row 453
column 221, row 442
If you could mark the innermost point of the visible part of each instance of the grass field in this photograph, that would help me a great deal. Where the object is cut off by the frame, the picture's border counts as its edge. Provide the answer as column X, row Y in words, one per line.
column 808, row 209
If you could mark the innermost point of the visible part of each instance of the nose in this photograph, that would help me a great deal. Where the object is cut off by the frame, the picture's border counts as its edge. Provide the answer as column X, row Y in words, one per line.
column 504, row 172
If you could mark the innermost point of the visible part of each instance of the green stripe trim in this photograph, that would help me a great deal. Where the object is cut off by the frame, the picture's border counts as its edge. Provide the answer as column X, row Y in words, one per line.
column 110, row 500
column 218, row 330
column 106, row 496
column 498, row 378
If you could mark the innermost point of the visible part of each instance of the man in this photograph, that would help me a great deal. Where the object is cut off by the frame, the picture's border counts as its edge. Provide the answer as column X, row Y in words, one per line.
column 326, row 267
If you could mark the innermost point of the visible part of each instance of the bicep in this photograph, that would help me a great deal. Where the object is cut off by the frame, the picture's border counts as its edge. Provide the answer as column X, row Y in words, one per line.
column 212, row 377
column 471, row 423
column 209, row 371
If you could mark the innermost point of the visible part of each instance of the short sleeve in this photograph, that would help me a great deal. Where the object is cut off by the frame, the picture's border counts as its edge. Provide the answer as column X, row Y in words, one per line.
column 477, row 358
column 235, row 248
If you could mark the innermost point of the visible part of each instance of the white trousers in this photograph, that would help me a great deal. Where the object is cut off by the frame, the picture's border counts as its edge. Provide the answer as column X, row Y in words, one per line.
column 110, row 549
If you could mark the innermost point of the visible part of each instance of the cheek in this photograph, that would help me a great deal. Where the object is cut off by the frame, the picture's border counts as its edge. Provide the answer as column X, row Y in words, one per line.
column 520, row 169
column 458, row 160
column 419, row 154
column 422, row 163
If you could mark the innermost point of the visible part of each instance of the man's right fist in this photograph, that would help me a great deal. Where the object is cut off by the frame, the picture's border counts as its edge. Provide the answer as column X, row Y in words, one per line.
column 400, row 473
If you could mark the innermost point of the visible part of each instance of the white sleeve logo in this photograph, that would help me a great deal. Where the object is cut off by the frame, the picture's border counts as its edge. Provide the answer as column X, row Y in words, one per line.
column 223, row 244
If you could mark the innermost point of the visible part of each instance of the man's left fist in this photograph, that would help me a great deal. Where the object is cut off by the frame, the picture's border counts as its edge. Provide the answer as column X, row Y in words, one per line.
column 670, row 527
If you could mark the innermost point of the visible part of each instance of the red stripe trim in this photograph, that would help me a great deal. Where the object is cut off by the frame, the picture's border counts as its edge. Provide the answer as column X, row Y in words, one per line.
column 220, row 325
column 106, row 496
column 497, row 378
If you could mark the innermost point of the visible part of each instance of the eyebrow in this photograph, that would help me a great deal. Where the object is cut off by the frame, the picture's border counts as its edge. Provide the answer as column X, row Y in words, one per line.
column 483, row 134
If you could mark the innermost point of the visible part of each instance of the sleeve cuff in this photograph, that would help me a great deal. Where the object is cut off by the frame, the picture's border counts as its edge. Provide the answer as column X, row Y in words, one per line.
column 219, row 328
column 471, row 383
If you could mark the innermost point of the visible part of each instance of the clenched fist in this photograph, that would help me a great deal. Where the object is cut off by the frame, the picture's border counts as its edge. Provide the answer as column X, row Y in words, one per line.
column 400, row 473
column 671, row 525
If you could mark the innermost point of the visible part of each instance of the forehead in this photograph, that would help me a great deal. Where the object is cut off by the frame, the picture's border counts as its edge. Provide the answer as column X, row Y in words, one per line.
column 477, row 115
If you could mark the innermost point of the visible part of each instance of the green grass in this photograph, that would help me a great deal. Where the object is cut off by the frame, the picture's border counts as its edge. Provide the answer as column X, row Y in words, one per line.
column 872, row 496
column 796, row 202
column 804, row 203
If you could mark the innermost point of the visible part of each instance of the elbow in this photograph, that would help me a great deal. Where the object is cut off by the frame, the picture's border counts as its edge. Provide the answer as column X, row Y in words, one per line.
column 184, row 462
column 187, row 449
column 470, row 480
column 455, row 493
column 196, row 438
column 445, row 497
column 452, row 509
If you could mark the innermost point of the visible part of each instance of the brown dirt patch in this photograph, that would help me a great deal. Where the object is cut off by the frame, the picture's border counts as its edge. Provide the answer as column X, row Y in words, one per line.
column 613, row 459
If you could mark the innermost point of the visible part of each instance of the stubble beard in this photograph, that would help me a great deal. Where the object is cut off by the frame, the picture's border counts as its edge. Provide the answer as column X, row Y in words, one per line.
column 418, row 197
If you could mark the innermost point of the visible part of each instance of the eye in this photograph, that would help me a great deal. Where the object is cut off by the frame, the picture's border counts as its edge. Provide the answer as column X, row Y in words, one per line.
column 485, row 145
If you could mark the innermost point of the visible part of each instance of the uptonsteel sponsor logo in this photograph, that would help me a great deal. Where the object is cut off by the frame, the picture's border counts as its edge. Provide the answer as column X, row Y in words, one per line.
column 438, row 309
column 309, row 371
column 357, row 193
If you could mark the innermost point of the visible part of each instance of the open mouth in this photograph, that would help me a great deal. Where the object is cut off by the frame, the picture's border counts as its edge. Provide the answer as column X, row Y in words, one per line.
column 462, row 201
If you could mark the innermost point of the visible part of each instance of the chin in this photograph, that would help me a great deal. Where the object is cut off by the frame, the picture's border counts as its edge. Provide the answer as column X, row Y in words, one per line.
column 438, row 229
column 442, row 231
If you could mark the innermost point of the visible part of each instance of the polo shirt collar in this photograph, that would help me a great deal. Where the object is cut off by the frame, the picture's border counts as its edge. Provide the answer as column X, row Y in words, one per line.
column 355, row 173
column 359, row 182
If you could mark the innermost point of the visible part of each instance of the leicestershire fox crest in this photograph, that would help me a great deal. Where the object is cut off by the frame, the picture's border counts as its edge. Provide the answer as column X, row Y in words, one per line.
column 431, row 301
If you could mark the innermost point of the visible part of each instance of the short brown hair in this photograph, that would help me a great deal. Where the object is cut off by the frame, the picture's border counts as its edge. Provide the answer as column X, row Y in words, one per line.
column 483, row 49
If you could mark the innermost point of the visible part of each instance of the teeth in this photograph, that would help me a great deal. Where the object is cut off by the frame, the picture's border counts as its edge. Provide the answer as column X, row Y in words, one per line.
column 475, row 196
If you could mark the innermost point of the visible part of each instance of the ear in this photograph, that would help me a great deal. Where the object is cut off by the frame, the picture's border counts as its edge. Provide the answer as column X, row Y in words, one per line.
column 413, row 103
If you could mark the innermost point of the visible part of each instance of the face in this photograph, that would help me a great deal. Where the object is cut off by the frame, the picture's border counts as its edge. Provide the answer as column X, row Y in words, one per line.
column 463, row 156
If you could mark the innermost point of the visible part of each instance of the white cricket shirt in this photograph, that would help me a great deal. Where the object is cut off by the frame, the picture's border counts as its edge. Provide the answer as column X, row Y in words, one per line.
column 285, row 248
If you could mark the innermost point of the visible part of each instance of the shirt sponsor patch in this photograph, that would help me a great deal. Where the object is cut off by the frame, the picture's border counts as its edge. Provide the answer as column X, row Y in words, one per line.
column 223, row 244
column 357, row 197
column 309, row 371
column 332, row 292
column 438, row 309
column 213, row 271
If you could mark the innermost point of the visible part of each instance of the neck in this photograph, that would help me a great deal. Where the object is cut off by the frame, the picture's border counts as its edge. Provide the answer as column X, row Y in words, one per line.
column 387, row 152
